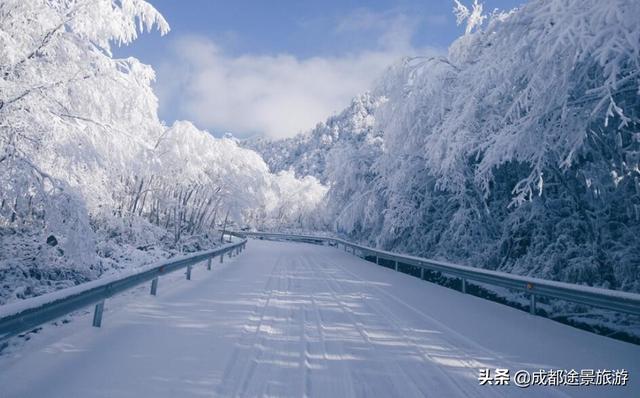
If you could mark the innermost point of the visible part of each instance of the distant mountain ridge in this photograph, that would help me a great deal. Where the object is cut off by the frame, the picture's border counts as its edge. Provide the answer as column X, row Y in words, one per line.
column 306, row 154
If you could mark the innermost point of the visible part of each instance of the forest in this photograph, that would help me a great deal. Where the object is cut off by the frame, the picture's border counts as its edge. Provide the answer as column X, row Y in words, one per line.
column 91, row 181
column 518, row 150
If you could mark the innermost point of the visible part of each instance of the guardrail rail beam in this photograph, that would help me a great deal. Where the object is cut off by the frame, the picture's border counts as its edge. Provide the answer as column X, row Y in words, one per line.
column 28, row 314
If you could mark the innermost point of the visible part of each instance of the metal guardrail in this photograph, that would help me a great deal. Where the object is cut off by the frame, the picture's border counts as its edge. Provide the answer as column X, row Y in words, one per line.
column 28, row 314
column 603, row 298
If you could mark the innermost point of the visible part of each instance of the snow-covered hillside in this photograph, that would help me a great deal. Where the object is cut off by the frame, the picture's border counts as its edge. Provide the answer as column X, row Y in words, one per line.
column 307, row 154
column 517, row 151
column 90, row 179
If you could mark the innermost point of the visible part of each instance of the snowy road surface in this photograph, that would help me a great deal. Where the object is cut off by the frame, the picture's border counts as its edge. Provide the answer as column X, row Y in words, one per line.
column 296, row 320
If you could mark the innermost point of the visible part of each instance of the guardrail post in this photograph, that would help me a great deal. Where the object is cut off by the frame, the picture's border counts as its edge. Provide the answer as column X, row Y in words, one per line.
column 209, row 264
column 464, row 285
column 97, row 314
column 377, row 260
column 395, row 264
column 154, row 286
column 532, row 304
column 188, row 272
column 221, row 258
column 422, row 273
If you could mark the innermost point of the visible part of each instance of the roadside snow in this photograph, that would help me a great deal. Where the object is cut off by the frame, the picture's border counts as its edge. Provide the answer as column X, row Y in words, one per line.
column 291, row 320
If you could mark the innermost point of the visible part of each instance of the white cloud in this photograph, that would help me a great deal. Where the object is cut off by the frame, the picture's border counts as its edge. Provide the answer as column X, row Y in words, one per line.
column 275, row 95
column 393, row 29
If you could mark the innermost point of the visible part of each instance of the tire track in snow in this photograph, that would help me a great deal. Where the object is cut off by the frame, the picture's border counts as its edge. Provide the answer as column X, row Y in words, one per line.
column 260, row 345
column 451, row 345
column 242, row 358
column 287, row 352
column 393, row 323
column 342, row 385
column 396, row 370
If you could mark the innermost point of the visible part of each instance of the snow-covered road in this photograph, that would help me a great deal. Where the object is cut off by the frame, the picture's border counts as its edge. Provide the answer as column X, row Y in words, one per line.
column 295, row 320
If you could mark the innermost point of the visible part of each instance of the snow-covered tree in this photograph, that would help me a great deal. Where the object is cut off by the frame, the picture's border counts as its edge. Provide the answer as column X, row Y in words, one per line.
column 62, row 100
column 306, row 154
column 90, row 179
column 519, row 150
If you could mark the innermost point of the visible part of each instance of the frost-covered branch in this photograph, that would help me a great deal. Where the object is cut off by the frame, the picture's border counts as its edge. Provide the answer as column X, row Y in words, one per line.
column 474, row 18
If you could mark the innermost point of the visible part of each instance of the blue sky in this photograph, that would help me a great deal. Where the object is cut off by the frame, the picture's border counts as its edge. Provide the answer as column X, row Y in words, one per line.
column 276, row 68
